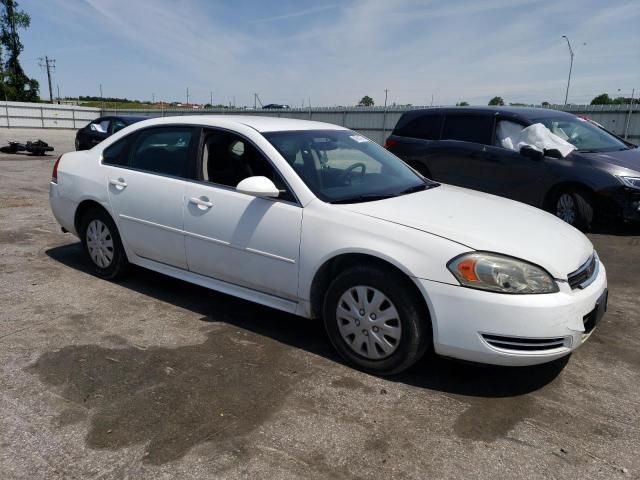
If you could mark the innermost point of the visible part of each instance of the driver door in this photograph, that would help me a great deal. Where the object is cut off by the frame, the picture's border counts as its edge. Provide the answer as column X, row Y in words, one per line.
column 241, row 239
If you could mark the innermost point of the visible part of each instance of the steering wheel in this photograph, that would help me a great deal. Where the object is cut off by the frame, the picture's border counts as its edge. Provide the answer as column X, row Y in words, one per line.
column 346, row 175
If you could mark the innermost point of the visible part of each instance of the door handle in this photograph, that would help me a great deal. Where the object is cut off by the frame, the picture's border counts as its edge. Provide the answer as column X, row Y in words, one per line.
column 118, row 183
column 201, row 202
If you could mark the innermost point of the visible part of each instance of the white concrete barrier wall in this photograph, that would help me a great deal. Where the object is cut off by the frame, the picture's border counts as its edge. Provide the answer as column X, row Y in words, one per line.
column 375, row 122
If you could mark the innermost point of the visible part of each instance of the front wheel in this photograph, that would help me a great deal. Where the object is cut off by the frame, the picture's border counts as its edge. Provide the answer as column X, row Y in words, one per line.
column 574, row 207
column 376, row 321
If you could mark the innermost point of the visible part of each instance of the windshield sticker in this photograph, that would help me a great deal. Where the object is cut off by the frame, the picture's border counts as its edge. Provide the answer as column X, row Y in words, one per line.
column 359, row 138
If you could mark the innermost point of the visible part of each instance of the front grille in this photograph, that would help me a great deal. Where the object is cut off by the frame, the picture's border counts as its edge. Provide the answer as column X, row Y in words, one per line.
column 524, row 344
column 581, row 277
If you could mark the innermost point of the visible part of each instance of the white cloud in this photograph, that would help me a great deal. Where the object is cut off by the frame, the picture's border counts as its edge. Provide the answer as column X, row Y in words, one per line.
column 460, row 50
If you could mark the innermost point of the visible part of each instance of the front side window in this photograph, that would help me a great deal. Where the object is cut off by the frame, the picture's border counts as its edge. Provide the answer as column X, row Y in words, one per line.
column 227, row 159
column 469, row 128
column 340, row 166
column 163, row 150
column 585, row 136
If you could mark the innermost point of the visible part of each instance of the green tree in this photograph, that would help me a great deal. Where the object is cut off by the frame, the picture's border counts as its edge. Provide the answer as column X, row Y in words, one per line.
column 14, row 83
column 602, row 99
column 366, row 101
column 545, row 104
column 462, row 104
column 496, row 101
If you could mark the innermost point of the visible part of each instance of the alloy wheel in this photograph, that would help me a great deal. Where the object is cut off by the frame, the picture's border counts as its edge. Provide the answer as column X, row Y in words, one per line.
column 566, row 208
column 100, row 243
column 369, row 322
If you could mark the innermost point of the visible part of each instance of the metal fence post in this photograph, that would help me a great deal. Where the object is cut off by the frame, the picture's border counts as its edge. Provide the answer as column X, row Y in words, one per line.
column 42, row 115
column 384, row 124
column 6, row 106
column 73, row 117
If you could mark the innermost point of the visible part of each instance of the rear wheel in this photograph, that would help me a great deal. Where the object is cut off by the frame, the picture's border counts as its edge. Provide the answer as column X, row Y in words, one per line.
column 575, row 208
column 376, row 321
column 102, row 244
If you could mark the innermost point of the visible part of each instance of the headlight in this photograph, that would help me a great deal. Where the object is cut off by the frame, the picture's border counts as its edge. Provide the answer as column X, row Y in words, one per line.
column 633, row 182
column 499, row 273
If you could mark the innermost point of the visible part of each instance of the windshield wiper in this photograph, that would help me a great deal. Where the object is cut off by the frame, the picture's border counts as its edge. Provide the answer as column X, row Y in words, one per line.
column 419, row 188
column 364, row 198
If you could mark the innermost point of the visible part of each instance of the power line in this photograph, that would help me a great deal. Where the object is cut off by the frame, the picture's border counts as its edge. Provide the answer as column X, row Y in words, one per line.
column 48, row 64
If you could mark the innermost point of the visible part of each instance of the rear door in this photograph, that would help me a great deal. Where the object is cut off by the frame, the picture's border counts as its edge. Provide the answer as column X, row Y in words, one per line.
column 461, row 157
column 147, row 174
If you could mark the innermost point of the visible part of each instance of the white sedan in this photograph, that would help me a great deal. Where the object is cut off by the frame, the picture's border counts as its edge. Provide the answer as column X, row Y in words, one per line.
column 317, row 220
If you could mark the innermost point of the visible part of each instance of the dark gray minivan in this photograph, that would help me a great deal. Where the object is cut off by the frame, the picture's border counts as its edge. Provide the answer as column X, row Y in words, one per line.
column 460, row 146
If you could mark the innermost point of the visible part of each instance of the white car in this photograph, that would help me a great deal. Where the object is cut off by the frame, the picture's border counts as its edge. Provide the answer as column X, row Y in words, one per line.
column 317, row 220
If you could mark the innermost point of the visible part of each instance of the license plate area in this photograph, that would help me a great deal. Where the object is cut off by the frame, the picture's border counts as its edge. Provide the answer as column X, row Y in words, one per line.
column 592, row 318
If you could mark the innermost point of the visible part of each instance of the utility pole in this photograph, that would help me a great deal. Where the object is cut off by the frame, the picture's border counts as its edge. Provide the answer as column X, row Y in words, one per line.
column 384, row 115
column 153, row 98
column 101, row 98
column 571, row 54
column 48, row 64
column 626, row 127
column 255, row 101
column 211, row 98
column 187, row 95
column 58, row 88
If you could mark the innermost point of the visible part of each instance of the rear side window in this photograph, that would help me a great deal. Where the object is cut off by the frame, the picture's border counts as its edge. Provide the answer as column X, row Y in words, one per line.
column 469, row 128
column 426, row 127
column 166, row 151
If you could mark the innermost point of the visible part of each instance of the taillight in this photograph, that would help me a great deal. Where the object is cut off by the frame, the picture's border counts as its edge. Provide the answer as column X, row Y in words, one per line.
column 389, row 143
column 54, row 174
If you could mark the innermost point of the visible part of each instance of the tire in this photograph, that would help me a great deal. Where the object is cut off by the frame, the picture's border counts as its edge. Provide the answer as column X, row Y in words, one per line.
column 574, row 207
column 409, row 330
column 101, row 243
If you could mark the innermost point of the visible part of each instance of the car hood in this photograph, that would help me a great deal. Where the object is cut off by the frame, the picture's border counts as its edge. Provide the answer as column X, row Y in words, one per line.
column 629, row 159
column 486, row 222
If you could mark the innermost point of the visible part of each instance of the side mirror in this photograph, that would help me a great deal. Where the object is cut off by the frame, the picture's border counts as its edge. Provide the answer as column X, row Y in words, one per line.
column 258, row 187
column 532, row 153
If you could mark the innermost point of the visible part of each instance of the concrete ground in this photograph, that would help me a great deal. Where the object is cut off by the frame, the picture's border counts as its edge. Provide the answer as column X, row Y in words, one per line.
column 154, row 378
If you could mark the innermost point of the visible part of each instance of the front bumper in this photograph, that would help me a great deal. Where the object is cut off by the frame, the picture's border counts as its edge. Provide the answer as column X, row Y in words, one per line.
column 512, row 330
column 622, row 202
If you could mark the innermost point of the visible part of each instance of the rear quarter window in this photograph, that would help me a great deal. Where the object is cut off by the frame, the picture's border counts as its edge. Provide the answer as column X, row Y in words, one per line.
column 115, row 154
column 426, row 127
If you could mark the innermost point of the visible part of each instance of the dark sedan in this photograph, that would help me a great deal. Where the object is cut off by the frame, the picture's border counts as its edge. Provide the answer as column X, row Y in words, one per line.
column 463, row 146
column 101, row 128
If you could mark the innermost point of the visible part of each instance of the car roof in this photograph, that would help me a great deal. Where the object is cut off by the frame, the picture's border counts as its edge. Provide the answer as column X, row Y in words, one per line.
column 525, row 113
column 257, row 122
column 132, row 118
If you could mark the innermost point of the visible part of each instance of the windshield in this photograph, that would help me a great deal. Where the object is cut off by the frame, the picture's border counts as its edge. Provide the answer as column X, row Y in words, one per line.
column 341, row 166
column 585, row 136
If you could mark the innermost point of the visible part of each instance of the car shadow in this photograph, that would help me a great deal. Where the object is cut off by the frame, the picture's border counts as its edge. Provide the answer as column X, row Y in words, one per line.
column 620, row 229
column 432, row 372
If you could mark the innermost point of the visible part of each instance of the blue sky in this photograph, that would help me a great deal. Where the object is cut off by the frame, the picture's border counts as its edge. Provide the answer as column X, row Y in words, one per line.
column 334, row 53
